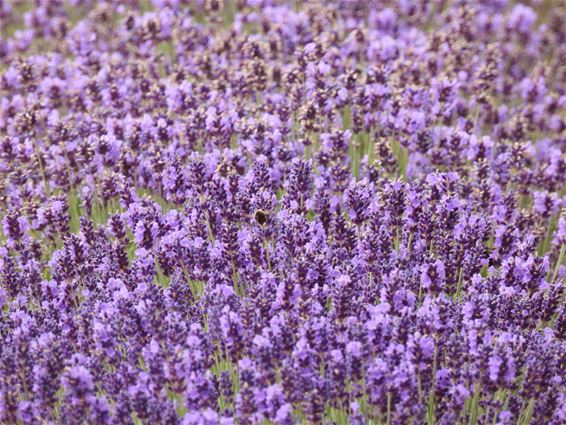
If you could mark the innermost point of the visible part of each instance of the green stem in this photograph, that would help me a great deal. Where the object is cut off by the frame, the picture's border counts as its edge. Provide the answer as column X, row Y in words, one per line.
column 474, row 406
column 558, row 263
column 388, row 408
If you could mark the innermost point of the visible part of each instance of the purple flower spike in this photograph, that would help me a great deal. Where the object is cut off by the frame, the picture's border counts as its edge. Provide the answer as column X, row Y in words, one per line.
column 259, row 211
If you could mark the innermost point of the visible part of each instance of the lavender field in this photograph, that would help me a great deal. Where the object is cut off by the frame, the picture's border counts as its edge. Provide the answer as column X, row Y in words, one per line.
column 283, row 212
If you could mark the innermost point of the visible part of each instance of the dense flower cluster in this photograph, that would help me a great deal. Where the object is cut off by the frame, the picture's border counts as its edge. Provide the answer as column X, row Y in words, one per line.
column 257, row 211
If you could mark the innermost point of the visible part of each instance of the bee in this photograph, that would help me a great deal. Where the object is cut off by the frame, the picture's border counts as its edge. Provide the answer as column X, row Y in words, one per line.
column 261, row 217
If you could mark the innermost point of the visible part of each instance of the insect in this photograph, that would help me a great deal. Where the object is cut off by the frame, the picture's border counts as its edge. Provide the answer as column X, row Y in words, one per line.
column 261, row 217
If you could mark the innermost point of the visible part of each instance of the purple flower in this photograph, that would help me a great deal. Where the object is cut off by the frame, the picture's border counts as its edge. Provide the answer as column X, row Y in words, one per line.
column 260, row 211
